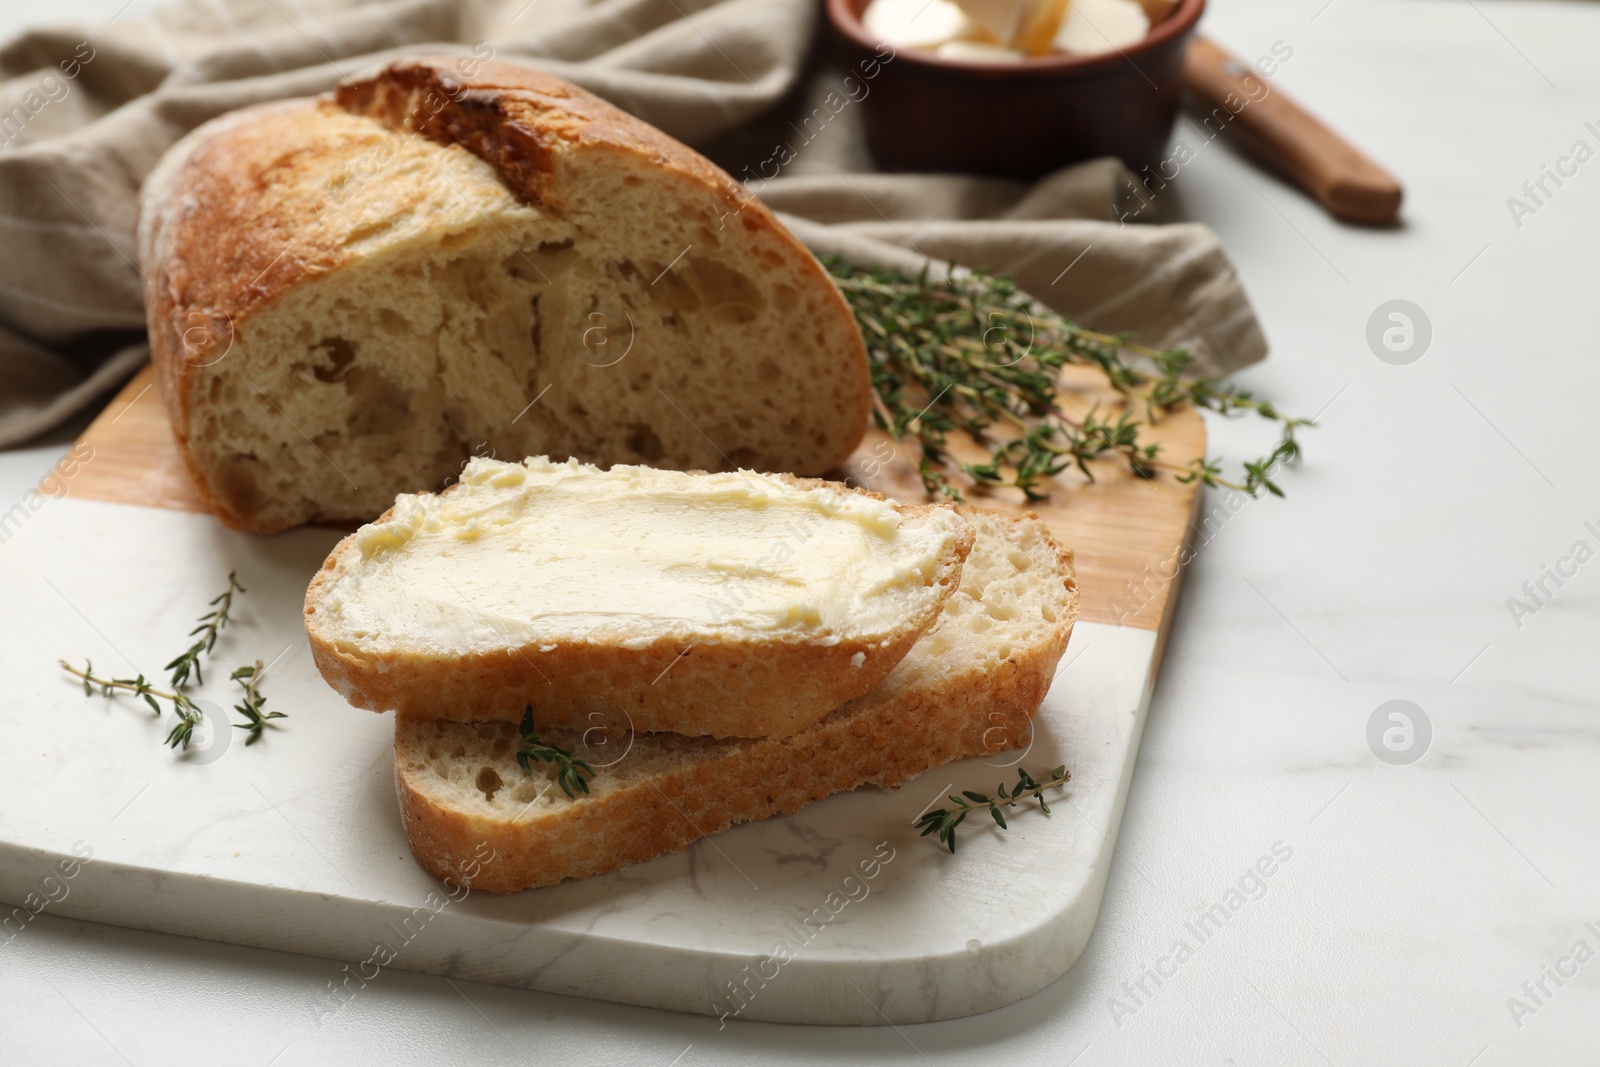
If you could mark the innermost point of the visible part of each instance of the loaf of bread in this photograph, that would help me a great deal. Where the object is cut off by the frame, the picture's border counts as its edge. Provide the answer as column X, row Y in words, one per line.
column 350, row 295
column 968, row 687
column 732, row 605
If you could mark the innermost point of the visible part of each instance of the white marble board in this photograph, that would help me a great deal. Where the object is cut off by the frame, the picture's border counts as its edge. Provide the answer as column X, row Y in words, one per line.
column 296, row 843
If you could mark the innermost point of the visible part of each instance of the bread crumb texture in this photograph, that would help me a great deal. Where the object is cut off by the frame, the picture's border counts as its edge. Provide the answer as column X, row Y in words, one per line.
column 394, row 303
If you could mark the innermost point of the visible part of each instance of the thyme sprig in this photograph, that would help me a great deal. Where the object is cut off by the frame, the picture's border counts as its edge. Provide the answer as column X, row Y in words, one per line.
column 570, row 770
column 943, row 821
column 209, row 627
column 252, row 705
column 972, row 353
column 189, row 714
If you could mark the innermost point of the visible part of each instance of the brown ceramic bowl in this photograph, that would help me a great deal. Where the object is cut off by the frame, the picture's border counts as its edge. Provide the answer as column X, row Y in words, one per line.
column 1017, row 120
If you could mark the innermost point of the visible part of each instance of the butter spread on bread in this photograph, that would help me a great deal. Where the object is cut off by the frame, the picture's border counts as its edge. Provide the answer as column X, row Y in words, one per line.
column 729, row 604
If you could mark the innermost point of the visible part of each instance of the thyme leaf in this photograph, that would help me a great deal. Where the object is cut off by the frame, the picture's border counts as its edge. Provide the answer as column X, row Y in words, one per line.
column 252, row 705
column 570, row 771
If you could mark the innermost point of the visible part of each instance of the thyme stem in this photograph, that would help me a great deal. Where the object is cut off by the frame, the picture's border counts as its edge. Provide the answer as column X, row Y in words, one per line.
column 969, row 353
column 209, row 627
column 943, row 821
column 189, row 715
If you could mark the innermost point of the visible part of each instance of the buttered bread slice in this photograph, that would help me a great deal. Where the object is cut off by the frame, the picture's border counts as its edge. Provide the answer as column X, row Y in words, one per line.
column 733, row 604
column 969, row 687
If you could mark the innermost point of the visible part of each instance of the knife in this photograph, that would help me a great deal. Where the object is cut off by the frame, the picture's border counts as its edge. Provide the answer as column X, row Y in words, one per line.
column 1347, row 182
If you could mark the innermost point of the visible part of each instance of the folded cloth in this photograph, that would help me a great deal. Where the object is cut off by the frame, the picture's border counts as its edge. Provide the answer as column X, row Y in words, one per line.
column 86, row 110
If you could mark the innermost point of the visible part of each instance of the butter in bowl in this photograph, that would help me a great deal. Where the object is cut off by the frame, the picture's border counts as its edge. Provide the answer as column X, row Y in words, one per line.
column 1017, row 88
column 1009, row 31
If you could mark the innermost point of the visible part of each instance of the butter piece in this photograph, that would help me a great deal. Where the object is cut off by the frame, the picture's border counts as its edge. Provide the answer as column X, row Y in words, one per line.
column 539, row 552
column 1005, row 31
column 1093, row 27
column 978, row 52
column 914, row 23
column 1025, row 26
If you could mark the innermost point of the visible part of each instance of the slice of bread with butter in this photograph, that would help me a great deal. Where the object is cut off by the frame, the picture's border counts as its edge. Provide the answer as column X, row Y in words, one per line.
column 730, row 604
column 969, row 687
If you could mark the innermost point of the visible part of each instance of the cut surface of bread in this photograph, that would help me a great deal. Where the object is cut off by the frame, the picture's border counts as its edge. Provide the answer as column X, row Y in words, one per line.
column 968, row 687
column 724, row 604
column 349, row 296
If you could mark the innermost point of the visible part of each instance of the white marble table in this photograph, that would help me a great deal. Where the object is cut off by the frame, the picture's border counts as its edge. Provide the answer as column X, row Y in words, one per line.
column 1415, row 900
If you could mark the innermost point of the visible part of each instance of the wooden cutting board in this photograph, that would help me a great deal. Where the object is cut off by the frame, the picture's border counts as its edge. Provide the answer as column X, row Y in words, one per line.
column 1118, row 526
column 296, row 844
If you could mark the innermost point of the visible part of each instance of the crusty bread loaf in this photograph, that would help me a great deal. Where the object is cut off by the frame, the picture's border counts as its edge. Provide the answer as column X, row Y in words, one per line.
column 732, row 605
column 348, row 296
column 968, row 687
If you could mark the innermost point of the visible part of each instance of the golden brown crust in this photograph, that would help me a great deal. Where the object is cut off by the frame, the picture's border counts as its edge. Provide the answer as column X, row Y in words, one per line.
column 877, row 739
column 760, row 687
column 519, row 120
column 216, row 239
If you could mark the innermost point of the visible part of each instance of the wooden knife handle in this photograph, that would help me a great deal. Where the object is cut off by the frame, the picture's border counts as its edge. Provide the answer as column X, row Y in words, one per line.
column 1346, row 181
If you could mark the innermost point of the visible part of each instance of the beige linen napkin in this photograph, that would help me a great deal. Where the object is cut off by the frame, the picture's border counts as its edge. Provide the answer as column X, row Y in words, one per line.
column 86, row 110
